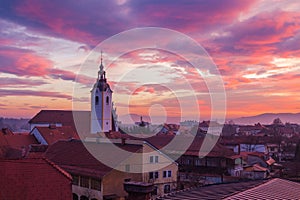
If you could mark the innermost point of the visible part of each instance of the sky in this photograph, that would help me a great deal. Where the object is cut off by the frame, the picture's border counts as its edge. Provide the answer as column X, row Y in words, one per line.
column 46, row 49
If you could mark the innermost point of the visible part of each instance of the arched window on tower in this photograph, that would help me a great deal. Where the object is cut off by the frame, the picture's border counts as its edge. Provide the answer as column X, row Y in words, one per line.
column 107, row 100
column 96, row 100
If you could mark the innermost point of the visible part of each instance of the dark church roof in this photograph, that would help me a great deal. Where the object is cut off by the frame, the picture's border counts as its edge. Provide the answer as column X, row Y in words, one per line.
column 103, row 85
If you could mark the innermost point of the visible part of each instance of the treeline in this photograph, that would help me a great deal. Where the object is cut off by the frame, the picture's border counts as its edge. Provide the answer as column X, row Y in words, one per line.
column 16, row 125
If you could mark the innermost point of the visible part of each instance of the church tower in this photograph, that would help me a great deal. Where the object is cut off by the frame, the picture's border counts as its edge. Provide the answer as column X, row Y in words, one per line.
column 101, row 104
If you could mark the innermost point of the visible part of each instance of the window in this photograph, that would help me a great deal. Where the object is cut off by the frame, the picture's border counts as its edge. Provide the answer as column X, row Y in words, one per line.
column 167, row 188
column 156, row 174
column 198, row 162
column 96, row 184
column 127, row 168
column 167, row 173
column 96, row 100
column 107, row 100
column 75, row 180
column 84, row 182
column 153, row 175
column 153, row 159
column 188, row 162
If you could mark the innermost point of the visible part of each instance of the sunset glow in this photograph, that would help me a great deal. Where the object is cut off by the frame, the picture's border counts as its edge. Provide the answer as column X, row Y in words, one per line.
column 254, row 44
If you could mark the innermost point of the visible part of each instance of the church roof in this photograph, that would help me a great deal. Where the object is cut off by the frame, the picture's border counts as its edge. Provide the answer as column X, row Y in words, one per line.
column 102, row 85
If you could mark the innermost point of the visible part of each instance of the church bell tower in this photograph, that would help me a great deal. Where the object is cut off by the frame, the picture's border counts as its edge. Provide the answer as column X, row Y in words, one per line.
column 101, row 104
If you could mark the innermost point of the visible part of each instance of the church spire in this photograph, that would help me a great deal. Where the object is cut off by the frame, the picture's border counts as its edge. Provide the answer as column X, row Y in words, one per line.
column 101, row 71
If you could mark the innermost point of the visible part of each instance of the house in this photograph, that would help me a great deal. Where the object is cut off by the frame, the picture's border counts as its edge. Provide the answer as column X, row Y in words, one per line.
column 198, row 166
column 255, row 172
column 250, row 129
column 33, row 178
column 14, row 145
column 170, row 129
column 92, row 178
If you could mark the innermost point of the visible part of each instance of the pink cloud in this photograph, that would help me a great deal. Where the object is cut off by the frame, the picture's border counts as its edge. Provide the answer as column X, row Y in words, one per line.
column 4, row 92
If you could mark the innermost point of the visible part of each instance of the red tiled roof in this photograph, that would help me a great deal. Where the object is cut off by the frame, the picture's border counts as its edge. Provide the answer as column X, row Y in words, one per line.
column 33, row 179
column 255, row 168
column 66, row 118
column 75, row 158
column 217, row 150
column 52, row 134
column 247, row 140
column 245, row 154
column 11, row 145
column 273, row 189
column 161, row 141
column 19, row 141
column 259, row 189
column 217, row 191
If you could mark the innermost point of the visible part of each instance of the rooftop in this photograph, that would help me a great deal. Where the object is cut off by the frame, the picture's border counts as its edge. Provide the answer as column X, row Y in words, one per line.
column 73, row 156
column 52, row 133
column 260, row 189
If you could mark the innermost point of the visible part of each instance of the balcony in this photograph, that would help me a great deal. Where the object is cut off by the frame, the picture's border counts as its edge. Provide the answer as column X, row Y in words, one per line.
column 138, row 187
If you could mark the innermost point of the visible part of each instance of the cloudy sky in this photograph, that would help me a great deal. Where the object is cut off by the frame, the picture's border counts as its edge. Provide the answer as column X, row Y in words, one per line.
column 255, row 46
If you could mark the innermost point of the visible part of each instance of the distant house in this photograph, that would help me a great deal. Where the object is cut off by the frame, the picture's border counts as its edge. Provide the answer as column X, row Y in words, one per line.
column 255, row 172
column 170, row 129
column 250, row 129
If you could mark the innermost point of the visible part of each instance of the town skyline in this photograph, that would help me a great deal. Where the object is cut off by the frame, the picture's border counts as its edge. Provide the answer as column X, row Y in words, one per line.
column 254, row 44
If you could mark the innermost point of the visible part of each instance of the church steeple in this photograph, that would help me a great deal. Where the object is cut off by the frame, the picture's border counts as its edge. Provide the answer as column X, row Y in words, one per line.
column 101, row 71
column 101, row 103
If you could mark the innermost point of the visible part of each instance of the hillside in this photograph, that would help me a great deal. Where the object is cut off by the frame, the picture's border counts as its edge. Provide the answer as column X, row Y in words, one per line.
column 267, row 118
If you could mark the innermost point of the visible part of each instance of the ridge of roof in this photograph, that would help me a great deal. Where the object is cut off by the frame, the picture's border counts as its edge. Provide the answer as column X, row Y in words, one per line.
column 65, row 173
